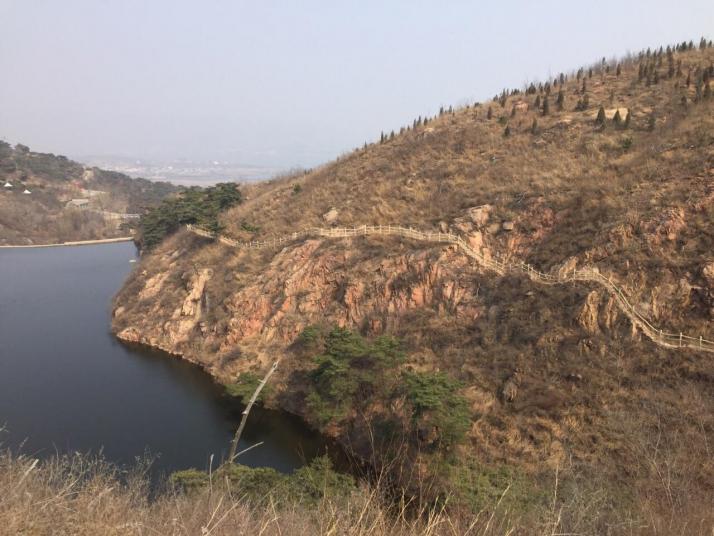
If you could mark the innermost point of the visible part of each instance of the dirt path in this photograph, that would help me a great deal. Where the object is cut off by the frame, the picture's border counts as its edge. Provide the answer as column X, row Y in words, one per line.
column 498, row 265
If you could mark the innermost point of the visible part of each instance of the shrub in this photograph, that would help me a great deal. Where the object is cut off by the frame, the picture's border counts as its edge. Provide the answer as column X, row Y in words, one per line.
column 477, row 487
column 435, row 403
column 350, row 372
column 617, row 118
column 308, row 484
column 600, row 119
column 194, row 205
column 249, row 227
column 255, row 483
column 189, row 479
column 245, row 386
column 312, row 482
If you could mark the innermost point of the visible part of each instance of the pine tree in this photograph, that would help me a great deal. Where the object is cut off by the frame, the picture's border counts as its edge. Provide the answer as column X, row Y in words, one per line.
column 560, row 101
column 546, row 106
column 537, row 101
column 651, row 122
column 381, row 137
column 513, row 111
column 584, row 88
column 534, row 126
column 628, row 118
column 590, row 73
column 619, row 70
column 617, row 118
column 600, row 119
column 489, row 113
column 507, row 131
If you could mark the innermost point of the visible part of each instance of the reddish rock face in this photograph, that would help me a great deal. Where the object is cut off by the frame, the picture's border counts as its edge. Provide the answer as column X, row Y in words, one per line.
column 308, row 283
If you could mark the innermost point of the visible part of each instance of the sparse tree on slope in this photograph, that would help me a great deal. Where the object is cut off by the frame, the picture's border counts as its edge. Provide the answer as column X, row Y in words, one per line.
column 546, row 106
column 600, row 119
column 560, row 101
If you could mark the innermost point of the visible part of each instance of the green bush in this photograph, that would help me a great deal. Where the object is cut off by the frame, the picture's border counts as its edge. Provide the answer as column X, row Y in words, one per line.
column 255, row 483
column 626, row 143
column 480, row 487
column 435, row 403
column 317, row 480
column 189, row 479
column 350, row 372
column 309, row 484
column 194, row 205
column 245, row 386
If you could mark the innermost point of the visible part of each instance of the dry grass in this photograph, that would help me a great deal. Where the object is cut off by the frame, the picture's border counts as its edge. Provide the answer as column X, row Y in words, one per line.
column 78, row 495
column 636, row 203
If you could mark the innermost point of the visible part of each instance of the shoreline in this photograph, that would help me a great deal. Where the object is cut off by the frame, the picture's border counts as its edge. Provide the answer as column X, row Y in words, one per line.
column 72, row 243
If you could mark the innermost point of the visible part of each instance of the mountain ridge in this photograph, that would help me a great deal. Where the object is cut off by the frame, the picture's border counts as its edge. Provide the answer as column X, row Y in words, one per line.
column 553, row 378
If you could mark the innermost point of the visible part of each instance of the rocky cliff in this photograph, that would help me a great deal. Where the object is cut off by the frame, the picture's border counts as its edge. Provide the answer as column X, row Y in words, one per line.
column 555, row 375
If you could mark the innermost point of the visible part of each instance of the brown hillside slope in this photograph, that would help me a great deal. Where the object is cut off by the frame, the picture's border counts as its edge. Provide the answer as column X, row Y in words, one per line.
column 48, row 214
column 555, row 376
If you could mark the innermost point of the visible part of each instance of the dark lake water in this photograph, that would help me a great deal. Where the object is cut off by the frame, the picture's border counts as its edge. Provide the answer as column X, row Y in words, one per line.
column 66, row 384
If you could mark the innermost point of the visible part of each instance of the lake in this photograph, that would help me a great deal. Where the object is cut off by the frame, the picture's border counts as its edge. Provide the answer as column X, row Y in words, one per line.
column 66, row 384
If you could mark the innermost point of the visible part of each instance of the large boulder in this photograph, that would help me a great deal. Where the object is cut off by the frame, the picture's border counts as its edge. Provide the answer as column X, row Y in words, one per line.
column 479, row 215
column 331, row 215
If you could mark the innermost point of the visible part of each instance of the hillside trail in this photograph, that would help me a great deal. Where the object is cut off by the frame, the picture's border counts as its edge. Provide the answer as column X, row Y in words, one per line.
column 494, row 263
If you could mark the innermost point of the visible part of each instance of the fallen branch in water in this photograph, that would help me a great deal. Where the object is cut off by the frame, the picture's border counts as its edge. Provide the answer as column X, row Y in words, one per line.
column 246, row 411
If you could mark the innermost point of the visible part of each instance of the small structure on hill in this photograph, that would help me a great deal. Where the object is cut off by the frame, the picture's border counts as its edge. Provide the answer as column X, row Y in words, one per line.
column 77, row 203
column 8, row 185
column 27, row 192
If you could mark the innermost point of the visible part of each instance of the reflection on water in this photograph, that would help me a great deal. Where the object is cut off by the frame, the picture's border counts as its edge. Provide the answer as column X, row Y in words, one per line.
column 66, row 384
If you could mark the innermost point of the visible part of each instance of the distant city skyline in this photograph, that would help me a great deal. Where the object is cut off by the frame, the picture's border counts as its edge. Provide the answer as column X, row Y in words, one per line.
column 278, row 85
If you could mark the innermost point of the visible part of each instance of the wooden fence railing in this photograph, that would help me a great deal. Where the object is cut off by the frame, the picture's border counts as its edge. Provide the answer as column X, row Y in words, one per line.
column 497, row 264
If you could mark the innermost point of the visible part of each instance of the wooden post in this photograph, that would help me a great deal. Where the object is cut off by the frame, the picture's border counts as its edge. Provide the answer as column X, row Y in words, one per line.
column 700, row 341
column 680, row 339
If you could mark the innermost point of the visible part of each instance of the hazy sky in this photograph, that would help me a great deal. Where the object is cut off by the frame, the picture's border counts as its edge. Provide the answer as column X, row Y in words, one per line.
column 288, row 83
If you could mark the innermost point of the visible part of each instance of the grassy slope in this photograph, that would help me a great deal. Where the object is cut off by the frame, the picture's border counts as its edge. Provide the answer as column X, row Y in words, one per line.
column 53, row 180
column 613, row 411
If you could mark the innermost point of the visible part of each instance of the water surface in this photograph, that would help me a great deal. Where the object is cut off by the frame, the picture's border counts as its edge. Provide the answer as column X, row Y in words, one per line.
column 66, row 384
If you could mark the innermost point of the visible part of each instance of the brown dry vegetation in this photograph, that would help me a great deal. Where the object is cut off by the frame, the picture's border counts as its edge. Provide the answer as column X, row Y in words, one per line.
column 83, row 496
column 555, row 376
column 42, row 217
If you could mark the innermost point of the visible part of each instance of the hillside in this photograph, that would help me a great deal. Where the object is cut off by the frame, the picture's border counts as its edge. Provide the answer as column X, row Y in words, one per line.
column 476, row 379
column 66, row 201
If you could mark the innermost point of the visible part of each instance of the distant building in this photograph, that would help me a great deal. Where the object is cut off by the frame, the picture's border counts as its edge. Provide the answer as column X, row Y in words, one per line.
column 77, row 203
